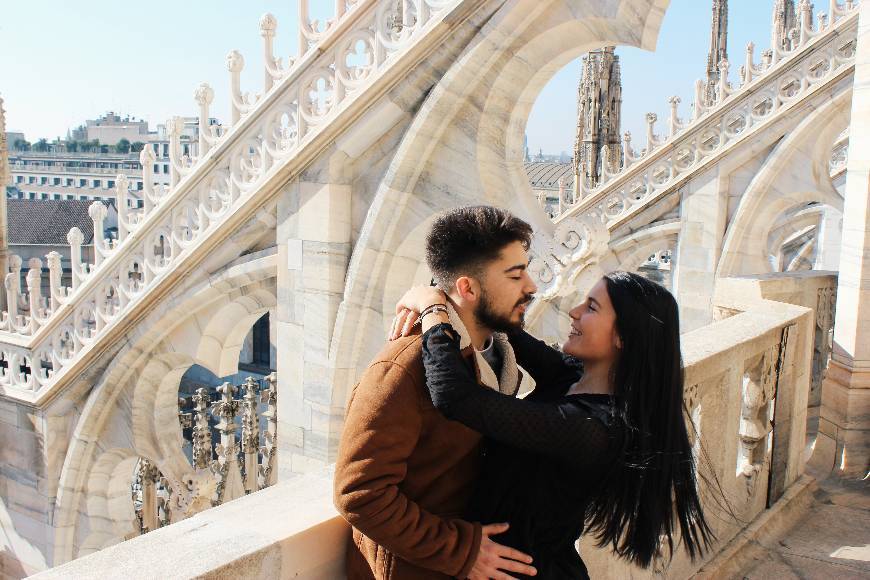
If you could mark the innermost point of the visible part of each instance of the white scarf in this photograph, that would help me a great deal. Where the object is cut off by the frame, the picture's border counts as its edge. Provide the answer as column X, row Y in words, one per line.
column 514, row 379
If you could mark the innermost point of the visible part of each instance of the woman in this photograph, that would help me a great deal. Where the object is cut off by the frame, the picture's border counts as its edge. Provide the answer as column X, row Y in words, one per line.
column 600, row 446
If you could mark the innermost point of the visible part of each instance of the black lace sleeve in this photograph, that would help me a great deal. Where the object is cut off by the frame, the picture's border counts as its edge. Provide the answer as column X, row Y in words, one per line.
column 548, row 366
column 569, row 429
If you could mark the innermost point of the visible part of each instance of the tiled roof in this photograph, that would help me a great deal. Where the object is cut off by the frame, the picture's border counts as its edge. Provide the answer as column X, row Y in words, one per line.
column 47, row 221
column 545, row 175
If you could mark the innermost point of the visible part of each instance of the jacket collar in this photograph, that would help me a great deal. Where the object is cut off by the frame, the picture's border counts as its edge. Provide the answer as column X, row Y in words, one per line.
column 514, row 379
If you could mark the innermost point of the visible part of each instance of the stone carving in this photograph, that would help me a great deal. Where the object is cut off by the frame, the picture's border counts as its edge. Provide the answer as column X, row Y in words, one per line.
column 597, row 146
column 226, row 467
column 718, row 49
column 823, row 342
column 575, row 245
column 150, row 492
column 759, row 389
column 158, row 499
column 250, row 434
column 268, row 472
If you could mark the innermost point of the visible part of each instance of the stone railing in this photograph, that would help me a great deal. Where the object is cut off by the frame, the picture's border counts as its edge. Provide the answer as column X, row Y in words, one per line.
column 820, row 53
column 747, row 378
column 290, row 530
column 42, row 336
column 811, row 289
column 242, row 461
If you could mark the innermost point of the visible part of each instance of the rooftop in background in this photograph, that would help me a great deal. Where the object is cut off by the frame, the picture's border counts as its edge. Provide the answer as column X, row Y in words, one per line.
column 72, row 155
column 47, row 221
column 546, row 175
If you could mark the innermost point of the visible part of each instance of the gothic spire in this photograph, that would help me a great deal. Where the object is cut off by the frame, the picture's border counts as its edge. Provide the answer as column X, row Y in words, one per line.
column 4, row 150
column 784, row 21
column 4, row 180
column 599, row 105
column 718, row 46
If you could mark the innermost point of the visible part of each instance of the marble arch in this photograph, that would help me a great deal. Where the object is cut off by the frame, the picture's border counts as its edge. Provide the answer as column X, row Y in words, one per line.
column 800, row 158
column 459, row 132
column 137, row 395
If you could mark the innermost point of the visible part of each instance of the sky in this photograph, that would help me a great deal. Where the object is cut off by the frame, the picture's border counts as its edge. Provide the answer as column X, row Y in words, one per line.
column 64, row 62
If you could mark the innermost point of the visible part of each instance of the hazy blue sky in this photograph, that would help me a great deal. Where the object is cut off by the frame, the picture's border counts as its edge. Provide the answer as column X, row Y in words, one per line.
column 64, row 62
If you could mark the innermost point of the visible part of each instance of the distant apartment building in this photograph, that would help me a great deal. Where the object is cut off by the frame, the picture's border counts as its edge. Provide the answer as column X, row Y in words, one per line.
column 76, row 176
column 58, row 174
column 111, row 128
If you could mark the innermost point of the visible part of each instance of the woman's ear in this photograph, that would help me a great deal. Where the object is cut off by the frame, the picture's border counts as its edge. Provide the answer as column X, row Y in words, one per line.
column 617, row 341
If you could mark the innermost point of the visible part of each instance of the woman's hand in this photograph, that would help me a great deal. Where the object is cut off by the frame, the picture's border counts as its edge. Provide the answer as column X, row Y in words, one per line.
column 409, row 307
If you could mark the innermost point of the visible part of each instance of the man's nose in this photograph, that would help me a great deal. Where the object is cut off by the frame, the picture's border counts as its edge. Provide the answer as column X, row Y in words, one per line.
column 531, row 287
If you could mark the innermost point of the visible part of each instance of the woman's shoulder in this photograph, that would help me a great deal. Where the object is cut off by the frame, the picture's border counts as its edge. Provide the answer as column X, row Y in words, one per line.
column 603, row 407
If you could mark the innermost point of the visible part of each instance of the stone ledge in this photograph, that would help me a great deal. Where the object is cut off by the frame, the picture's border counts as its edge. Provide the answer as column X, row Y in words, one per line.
column 290, row 530
column 770, row 524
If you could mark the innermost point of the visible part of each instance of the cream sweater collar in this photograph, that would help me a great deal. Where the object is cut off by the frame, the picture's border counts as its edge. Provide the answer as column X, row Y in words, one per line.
column 514, row 379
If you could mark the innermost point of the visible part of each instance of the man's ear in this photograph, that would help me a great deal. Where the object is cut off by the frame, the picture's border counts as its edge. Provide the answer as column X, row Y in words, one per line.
column 467, row 288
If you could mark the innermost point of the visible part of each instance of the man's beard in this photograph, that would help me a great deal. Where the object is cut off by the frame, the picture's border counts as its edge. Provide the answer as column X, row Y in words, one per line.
column 486, row 316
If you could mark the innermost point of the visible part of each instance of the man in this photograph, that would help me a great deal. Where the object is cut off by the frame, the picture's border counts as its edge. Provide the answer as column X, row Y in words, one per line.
column 404, row 473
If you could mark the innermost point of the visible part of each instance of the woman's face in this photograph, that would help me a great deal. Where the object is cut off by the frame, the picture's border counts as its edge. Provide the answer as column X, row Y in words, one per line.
column 593, row 334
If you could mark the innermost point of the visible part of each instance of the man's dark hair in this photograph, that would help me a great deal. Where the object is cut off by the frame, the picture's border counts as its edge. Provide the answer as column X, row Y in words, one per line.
column 463, row 240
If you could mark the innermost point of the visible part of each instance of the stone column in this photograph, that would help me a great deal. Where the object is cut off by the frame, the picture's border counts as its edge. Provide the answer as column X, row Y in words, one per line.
column 5, row 178
column 314, row 235
column 704, row 208
column 843, row 444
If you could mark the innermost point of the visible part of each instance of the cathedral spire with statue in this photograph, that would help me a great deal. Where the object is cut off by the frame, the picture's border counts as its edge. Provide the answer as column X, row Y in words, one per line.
column 599, row 105
column 784, row 21
column 4, row 181
column 718, row 47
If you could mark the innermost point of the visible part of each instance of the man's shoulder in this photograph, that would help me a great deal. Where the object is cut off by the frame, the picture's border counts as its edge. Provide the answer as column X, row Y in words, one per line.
column 403, row 355
column 404, row 351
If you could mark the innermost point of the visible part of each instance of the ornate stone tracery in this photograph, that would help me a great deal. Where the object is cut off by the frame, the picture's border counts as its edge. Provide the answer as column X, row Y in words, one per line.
column 759, row 390
column 303, row 100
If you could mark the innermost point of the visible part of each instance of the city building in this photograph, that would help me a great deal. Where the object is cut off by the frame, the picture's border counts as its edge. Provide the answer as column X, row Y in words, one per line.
column 79, row 176
column 111, row 128
column 62, row 174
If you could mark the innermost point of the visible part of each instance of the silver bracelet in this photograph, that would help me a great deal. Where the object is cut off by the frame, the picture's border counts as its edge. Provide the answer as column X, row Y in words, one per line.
column 430, row 310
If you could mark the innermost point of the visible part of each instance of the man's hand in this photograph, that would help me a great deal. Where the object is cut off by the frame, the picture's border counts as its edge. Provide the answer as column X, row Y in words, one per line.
column 495, row 560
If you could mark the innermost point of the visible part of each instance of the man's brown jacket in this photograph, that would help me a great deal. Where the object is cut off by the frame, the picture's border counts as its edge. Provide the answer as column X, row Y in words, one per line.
column 404, row 473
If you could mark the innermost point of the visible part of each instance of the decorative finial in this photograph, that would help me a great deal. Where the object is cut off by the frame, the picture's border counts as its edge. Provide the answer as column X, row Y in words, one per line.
column 203, row 94
column 53, row 259
column 147, row 156
column 75, row 237
column 235, row 61
column 97, row 211
column 268, row 24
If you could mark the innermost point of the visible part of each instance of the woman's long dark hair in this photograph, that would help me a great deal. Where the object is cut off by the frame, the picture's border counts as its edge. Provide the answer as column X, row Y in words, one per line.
column 651, row 494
